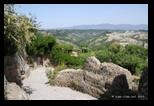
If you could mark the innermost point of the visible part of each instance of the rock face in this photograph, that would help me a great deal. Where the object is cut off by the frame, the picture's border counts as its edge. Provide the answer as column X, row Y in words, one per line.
column 100, row 80
column 92, row 64
column 46, row 60
column 5, row 83
column 5, row 86
column 143, row 85
column 14, row 92
column 15, row 68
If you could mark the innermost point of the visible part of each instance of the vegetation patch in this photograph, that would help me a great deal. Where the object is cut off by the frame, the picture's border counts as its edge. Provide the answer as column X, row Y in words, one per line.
column 53, row 74
column 132, row 57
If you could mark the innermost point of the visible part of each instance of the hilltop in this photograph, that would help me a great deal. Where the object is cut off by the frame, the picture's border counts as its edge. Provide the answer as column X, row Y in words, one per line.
column 95, row 38
column 111, row 27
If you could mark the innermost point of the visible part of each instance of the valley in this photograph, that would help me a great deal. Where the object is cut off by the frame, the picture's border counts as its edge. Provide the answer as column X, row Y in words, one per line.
column 96, row 38
column 76, row 52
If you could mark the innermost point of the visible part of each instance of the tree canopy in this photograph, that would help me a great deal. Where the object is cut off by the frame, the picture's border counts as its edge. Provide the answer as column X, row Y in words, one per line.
column 18, row 30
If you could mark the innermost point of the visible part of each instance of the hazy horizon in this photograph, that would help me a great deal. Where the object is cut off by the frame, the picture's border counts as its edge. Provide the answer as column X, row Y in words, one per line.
column 54, row 16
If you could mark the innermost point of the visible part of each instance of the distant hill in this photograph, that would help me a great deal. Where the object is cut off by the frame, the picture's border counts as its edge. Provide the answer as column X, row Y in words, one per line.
column 111, row 27
column 96, row 38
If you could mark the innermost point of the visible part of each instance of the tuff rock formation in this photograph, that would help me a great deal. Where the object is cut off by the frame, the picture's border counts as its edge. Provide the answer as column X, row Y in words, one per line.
column 143, row 86
column 15, row 68
column 101, row 80
column 13, row 92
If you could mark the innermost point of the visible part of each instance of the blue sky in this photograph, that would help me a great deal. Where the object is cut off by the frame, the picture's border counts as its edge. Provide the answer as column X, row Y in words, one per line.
column 66, row 15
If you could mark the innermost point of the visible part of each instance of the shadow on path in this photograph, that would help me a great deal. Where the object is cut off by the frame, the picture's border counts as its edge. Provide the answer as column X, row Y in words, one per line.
column 28, row 90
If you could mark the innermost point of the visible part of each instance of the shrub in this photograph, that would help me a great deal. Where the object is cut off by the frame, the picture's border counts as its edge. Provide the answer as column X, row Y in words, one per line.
column 105, row 56
column 137, row 50
column 74, row 62
column 133, row 63
column 132, row 57
column 55, row 72
column 115, row 48
column 84, row 56
column 65, row 48
column 41, row 45
column 62, row 53
column 48, row 73
column 18, row 30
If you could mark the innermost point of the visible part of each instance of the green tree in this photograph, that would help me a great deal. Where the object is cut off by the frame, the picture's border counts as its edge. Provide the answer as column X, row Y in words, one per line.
column 41, row 45
column 16, row 30
column 137, row 50
column 132, row 57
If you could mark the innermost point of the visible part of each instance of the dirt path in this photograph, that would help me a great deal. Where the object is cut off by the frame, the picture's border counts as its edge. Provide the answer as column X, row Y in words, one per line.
column 38, row 90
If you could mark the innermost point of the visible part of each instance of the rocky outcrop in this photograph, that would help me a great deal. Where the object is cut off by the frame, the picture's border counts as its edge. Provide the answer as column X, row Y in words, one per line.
column 135, row 83
column 15, row 68
column 100, row 80
column 46, row 60
column 14, row 92
column 143, row 85
column 92, row 64
column 5, row 83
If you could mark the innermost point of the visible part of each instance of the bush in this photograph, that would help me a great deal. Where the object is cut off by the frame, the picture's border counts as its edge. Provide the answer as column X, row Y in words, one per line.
column 132, row 57
column 84, row 56
column 62, row 53
column 105, row 56
column 55, row 72
column 41, row 45
column 137, row 50
column 115, row 48
column 17, row 31
column 133, row 63
column 84, row 48
column 65, row 48
column 74, row 62
column 48, row 73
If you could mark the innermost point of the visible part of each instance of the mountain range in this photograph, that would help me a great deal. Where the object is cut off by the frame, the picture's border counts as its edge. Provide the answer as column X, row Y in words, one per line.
column 111, row 27
column 94, row 39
